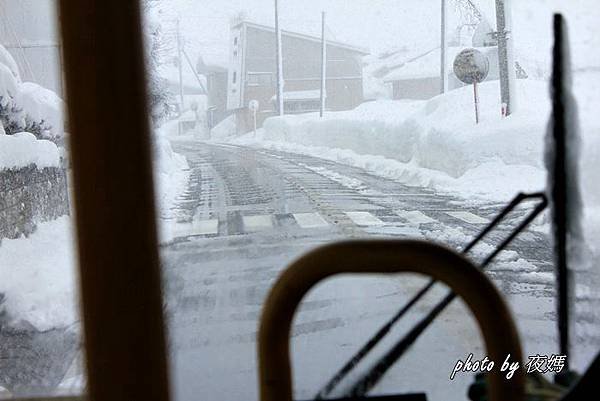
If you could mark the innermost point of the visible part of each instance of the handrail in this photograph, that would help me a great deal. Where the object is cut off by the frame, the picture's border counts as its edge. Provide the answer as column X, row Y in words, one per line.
column 384, row 257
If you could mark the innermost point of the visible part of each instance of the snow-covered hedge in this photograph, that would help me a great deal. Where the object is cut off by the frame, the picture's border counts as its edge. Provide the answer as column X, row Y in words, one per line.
column 26, row 106
column 22, row 149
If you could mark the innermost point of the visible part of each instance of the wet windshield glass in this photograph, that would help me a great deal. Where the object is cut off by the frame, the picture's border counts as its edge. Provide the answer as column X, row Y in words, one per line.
column 411, row 134
column 272, row 136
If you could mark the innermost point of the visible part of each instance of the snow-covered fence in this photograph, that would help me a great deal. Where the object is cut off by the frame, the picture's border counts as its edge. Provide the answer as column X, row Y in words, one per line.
column 29, row 195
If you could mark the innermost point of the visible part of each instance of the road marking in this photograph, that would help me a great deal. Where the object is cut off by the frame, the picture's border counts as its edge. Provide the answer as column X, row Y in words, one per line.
column 364, row 219
column 205, row 227
column 257, row 223
column 198, row 227
column 468, row 217
column 415, row 217
column 310, row 220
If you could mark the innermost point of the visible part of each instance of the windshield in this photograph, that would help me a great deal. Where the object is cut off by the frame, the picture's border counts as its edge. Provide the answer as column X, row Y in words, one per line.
column 266, row 162
column 281, row 126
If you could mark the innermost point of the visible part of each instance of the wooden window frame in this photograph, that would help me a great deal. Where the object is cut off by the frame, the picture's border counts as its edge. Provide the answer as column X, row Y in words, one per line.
column 110, row 146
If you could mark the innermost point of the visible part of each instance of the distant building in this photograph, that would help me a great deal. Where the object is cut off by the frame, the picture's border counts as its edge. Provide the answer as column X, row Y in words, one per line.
column 216, row 88
column 419, row 77
column 252, row 73
column 28, row 30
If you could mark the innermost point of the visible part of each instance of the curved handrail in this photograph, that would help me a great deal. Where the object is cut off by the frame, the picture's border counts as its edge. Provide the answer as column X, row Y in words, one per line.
column 376, row 257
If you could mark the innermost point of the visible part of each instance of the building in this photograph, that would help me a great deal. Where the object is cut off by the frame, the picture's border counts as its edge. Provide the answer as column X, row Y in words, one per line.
column 419, row 77
column 252, row 73
column 216, row 88
column 28, row 30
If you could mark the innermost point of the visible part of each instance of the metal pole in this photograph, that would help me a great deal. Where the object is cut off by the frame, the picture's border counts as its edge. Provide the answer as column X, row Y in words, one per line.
column 200, row 83
column 323, row 66
column 254, row 120
column 179, row 65
column 279, row 59
column 476, row 98
column 560, row 195
column 505, row 56
column 510, row 56
column 443, row 77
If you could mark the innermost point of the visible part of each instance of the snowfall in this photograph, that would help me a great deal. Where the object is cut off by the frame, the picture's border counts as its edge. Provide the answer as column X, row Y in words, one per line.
column 433, row 143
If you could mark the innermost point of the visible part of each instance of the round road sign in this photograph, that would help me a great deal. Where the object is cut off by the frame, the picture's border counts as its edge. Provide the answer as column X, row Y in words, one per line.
column 253, row 105
column 471, row 65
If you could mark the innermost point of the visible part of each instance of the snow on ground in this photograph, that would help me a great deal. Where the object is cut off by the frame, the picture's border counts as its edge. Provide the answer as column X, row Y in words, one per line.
column 225, row 129
column 38, row 276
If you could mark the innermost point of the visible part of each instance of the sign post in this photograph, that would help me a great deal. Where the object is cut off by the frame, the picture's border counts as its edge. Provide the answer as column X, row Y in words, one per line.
column 472, row 67
column 253, row 106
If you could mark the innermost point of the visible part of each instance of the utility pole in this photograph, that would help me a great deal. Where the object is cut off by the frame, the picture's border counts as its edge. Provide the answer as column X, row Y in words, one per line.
column 506, row 56
column 443, row 50
column 180, row 66
column 279, row 59
column 323, row 66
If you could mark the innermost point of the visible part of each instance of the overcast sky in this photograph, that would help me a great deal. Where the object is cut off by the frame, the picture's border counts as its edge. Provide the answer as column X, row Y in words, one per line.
column 381, row 25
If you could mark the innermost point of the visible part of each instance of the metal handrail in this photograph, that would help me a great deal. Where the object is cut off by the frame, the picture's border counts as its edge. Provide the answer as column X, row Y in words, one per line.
column 384, row 257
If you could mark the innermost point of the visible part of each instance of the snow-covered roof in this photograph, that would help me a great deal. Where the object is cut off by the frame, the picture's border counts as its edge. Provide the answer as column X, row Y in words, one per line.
column 346, row 46
column 170, row 73
column 427, row 65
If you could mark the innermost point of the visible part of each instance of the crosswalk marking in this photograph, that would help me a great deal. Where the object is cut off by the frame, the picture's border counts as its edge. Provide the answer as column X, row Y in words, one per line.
column 468, row 217
column 258, row 222
column 310, row 220
column 205, row 227
column 313, row 220
column 197, row 227
column 415, row 217
column 182, row 229
column 364, row 219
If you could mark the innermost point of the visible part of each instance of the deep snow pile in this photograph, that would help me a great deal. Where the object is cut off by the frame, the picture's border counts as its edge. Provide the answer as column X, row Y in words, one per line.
column 223, row 130
column 433, row 143
column 171, row 173
column 38, row 276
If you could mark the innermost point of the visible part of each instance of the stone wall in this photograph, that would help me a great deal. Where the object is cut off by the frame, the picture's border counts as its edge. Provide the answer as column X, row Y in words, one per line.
column 30, row 195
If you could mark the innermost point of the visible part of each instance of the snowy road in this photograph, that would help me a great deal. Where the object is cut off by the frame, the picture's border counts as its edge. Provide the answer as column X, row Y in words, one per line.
column 247, row 213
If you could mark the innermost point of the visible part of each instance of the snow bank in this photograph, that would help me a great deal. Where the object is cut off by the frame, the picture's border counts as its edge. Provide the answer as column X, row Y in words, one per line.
column 39, row 103
column 224, row 129
column 171, row 172
column 37, row 276
column 433, row 143
column 22, row 149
